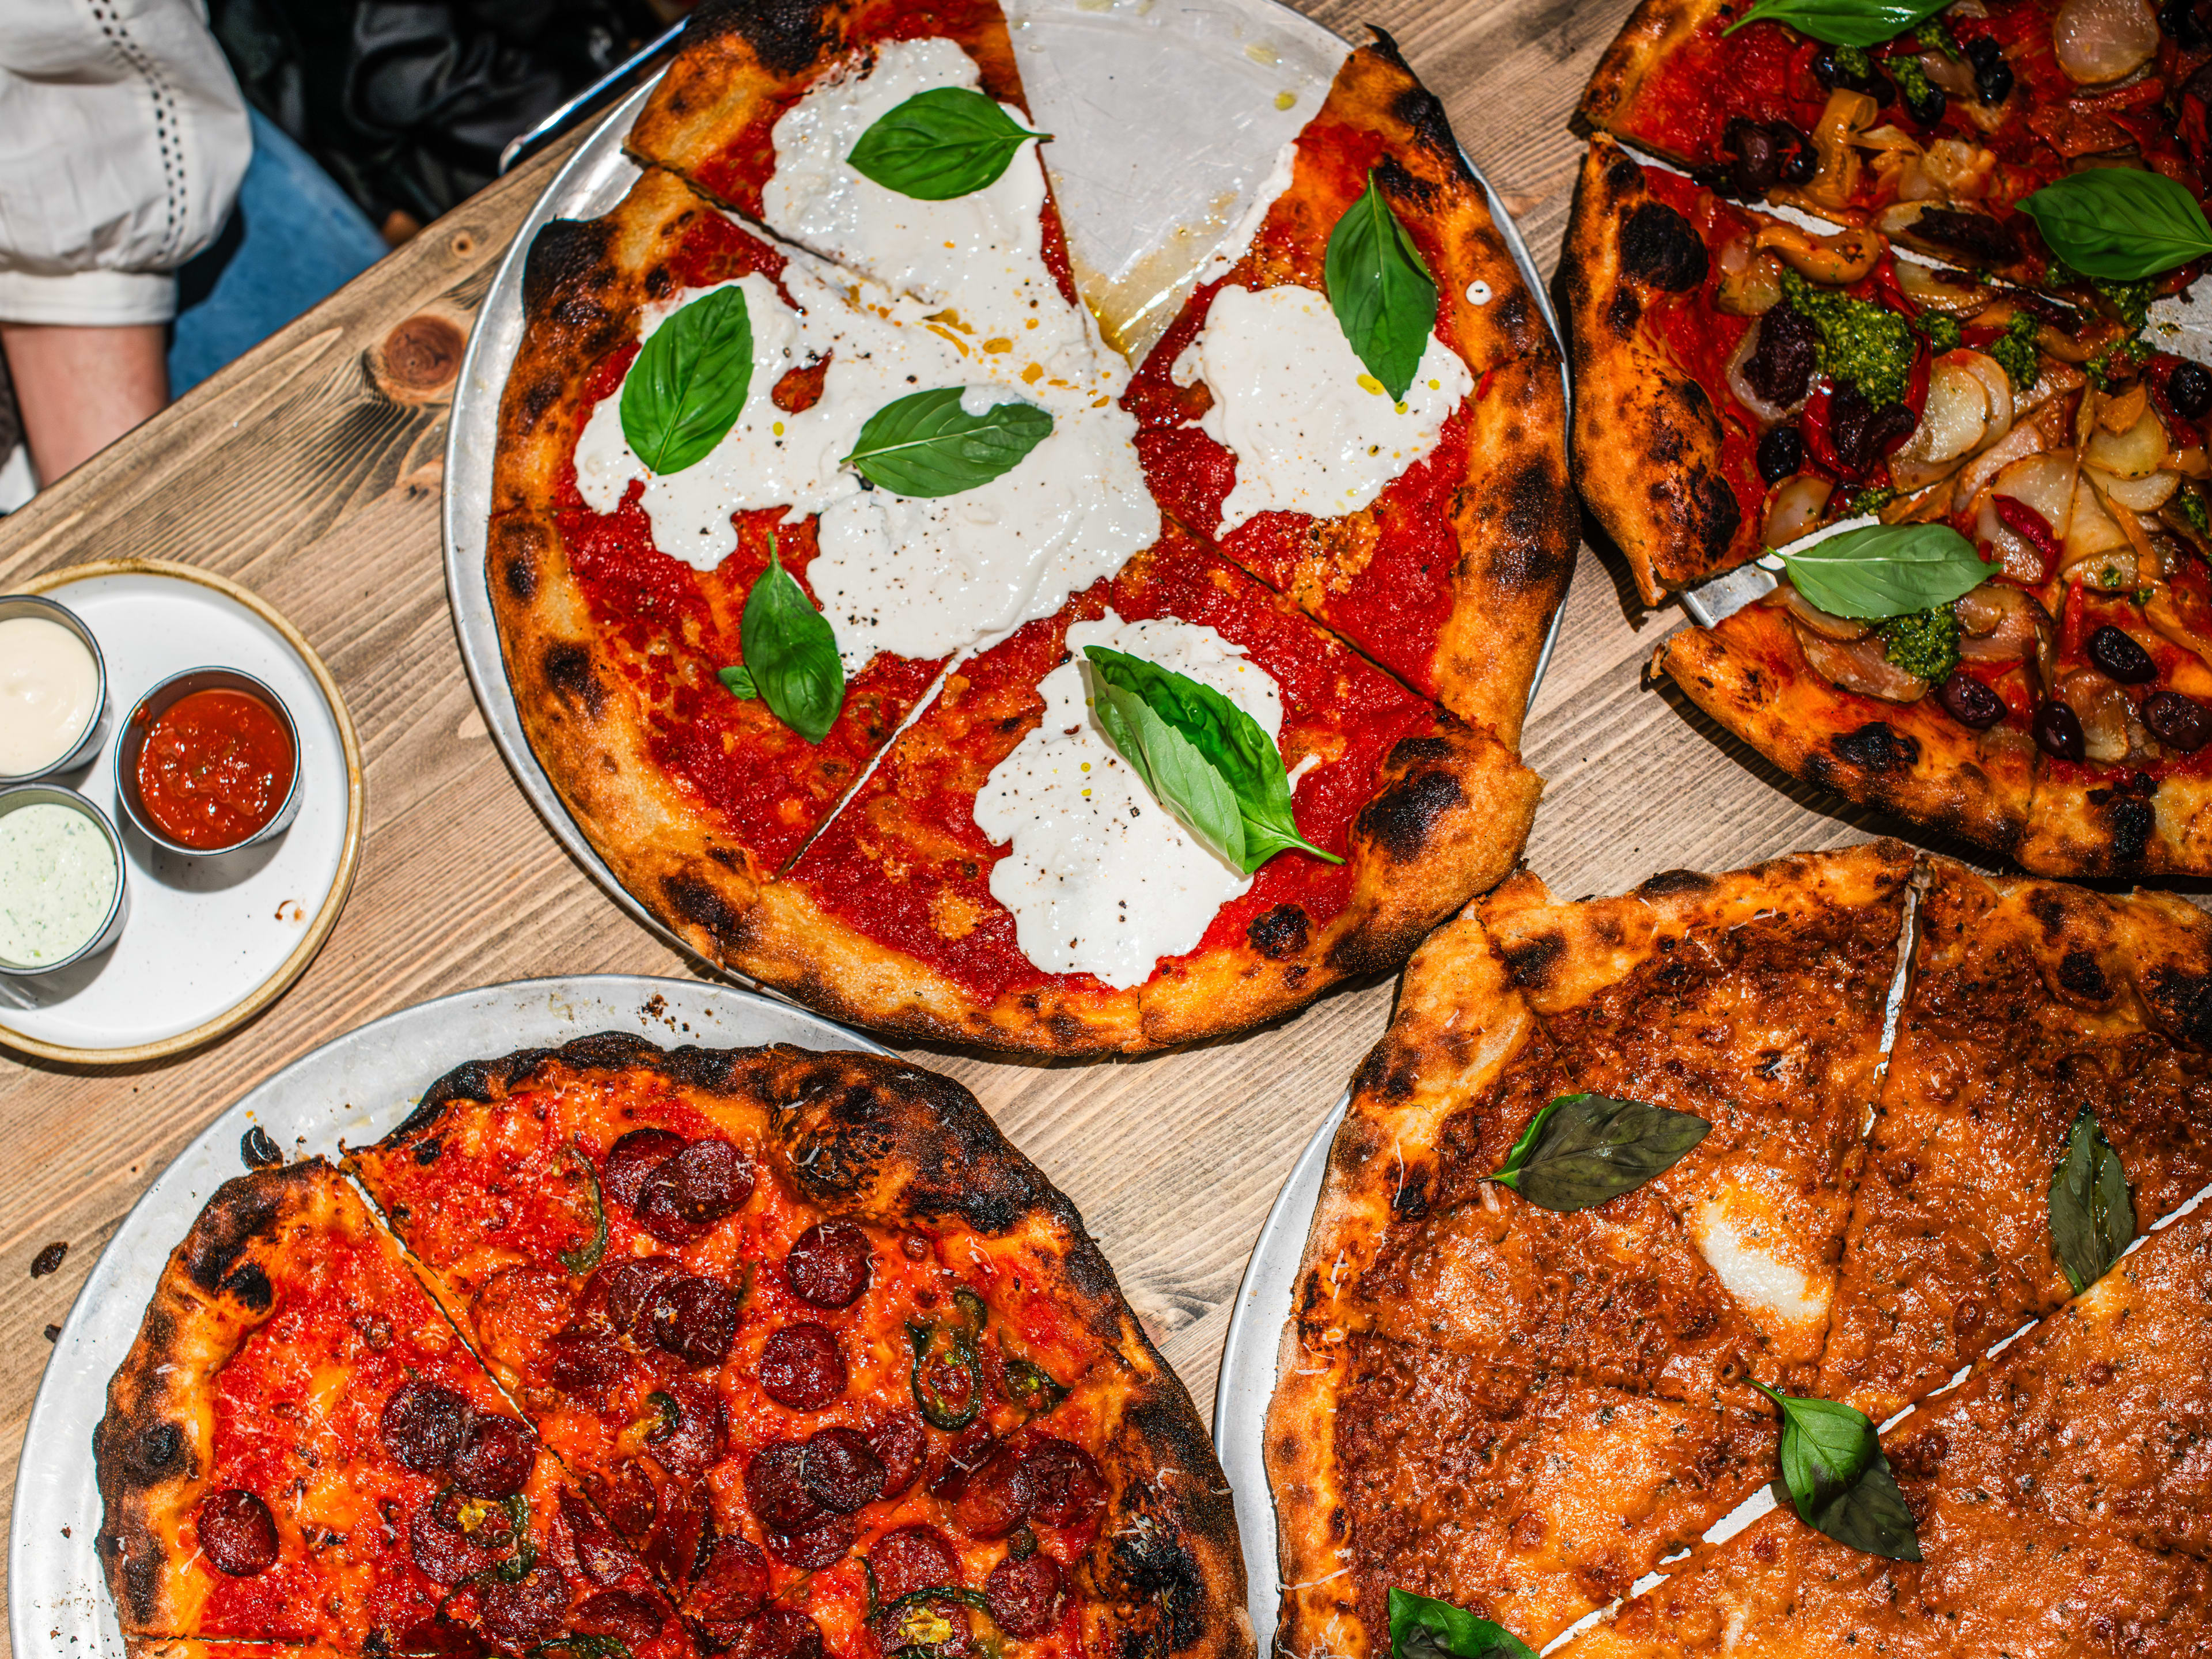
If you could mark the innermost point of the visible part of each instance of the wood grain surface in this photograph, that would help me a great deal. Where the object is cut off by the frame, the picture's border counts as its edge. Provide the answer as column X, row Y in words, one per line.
column 310, row 470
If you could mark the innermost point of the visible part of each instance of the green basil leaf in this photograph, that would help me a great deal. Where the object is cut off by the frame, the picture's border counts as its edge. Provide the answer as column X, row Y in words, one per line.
column 588, row 1254
column 1582, row 1149
column 1169, row 764
column 2093, row 1215
column 739, row 679
column 2120, row 224
column 688, row 387
column 1228, row 742
column 925, row 444
column 1422, row 1628
column 1887, row 570
column 1843, row 22
column 791, row 655
column 1839, row 1479
column 1380, row 287
column 941, row 143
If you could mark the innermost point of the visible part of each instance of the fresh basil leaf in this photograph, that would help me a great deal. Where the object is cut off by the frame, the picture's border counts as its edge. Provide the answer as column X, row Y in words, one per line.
column 688, row 387
column 1424, row 1628
column 1843, row 22
column 1839, row 1479
column 1380, row 287
column 1887, row 570
column 1180, row 778
column 941, row 143
column 791, row 655
column 739, row 679
column 1233, row 746
column 2093, row 1215
column 1582, row 1149
column 2118, row 223
column 926, row 444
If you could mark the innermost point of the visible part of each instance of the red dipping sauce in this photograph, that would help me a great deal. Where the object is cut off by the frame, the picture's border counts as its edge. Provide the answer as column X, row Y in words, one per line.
column 216, row 768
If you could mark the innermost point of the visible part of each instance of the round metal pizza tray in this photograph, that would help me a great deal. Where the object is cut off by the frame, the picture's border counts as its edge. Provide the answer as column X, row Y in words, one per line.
column 354, row 1088
column 1217, row 85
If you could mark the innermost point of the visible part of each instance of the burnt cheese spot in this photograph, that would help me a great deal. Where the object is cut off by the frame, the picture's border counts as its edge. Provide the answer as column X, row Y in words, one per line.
column 1658, row 245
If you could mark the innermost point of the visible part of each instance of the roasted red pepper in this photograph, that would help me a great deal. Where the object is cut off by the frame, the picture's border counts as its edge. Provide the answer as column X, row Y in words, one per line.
column 2032, row 527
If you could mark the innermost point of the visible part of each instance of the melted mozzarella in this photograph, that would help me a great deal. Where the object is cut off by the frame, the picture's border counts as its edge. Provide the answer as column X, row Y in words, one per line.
column 1770, row 1287
column 1313, row 432
column 1100, row 878
column 920, row 577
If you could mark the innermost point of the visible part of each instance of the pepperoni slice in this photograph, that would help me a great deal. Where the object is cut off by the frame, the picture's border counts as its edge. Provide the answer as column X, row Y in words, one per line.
column 900, row 1444
column 695, row 1319
column 1025, row 1594
column 627, row 1288
column 693, row 1190
column 673, row 1550
column 586, row 1365
column 912, row 1559
column 442, row 1549
column 816, row 1548
column 630, row 1160
column 602, row 1557
column 993, row 1499
column 969, row 1448
column 519, row 1615
column 631, row 1617
column 829, row 1264
column 421, row 1426
column 1066, row 1487
column 517, row 1311
column 777, row 1633
column 775, row 1489
column 801, row 1366
column 627, row 1501
column 731, row 1585
column 839, row 1470
column 237, row 1533
column 496, row 1456
column 686, row 1450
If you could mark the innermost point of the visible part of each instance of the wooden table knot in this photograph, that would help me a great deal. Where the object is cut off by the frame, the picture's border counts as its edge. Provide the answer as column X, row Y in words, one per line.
column 419, row 360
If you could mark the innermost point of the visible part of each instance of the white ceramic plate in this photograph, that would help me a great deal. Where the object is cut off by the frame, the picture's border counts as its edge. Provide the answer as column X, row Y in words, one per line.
column 209, row 941
column 357, row 1087
column 1217, row 85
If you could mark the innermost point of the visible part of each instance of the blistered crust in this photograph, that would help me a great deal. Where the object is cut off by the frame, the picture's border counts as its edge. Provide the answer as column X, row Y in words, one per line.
column 1653, row 31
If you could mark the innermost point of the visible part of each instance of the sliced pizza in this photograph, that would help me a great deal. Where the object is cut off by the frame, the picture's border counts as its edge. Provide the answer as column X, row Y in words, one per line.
column 301, row 1451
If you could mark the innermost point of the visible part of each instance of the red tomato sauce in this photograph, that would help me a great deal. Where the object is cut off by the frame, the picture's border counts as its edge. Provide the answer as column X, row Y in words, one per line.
column 216, row 768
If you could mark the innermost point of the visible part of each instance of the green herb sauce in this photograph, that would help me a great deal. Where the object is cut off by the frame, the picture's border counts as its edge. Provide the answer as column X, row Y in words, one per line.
column 1860, row 342
column 1923, row 643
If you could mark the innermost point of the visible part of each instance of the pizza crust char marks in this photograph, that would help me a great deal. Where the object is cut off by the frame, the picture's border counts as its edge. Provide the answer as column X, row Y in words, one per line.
column 783, row 1318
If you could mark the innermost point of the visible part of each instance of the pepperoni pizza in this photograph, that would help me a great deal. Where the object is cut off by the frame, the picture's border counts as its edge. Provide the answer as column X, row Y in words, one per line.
column 809, row 1361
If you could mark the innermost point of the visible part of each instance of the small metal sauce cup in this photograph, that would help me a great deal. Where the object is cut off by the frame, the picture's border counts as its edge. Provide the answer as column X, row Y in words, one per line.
column 87, row 740
column 131, row 738
column 52, row 794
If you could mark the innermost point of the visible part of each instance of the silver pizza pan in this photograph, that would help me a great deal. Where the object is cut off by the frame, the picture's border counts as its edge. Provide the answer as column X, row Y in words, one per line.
column 1217, row 85
column 355, row 1088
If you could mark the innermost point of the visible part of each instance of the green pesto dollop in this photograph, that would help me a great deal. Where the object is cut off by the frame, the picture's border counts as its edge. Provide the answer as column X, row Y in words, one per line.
column 1935, row 36
column 1923, row 643
column 1943, row 332
column 2015, row 351
column 1860, row 341
column 2190, row 506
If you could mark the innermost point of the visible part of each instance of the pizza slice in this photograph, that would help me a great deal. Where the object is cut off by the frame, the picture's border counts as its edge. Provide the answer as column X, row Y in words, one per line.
column 1006, row 874
column 1435, row 534
column 833, row 1360
column 1934, row 136
column 300, row 1450
column 2029, row 1004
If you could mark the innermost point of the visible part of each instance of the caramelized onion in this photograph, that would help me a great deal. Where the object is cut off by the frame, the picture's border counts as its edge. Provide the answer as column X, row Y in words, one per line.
column 1804, row 611
column 1795, row 508
column 2102, row 708
column 2135, row 453
column 2099, row 41
column 2135, row 495
column 1999, row 623
column 1859, row 666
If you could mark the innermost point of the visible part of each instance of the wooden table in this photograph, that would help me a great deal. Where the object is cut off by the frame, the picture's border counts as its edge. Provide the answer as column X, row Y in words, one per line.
column 298, row 472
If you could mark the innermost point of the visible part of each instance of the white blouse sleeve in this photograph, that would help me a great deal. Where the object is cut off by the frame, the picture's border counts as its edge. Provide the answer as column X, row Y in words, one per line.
column 123, row 139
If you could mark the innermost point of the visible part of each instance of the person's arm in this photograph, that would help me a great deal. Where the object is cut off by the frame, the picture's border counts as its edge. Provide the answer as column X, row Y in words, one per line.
column 80, row 388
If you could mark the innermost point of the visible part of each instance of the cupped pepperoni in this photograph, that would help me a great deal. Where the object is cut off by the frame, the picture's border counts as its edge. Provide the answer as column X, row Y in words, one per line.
column 627, row 1289
column 673, row 1550
column 839, row 1470
column 627, row 1500
column 518, row 1312
column 599, row 1553
column 777, row 1633
column 518, row 1616
column 829, row 1264
column 1066, row 1488
column 1025, row 1594
column 586, row 1365
column 801, row 1366
column 631, row 1617
column 912, row 1559
column 967, row 1453
column 630, row 1160
column 442, row 1549
column 776, row 1488
column 695, row 1319
column 816, row 1548
column 686, row 1448
column 901, row 1445
column 495, row 1457
column 995, row 1498
column 237, row 1535
column 422, row 1424
column 693, row 1190
column 730, row 1586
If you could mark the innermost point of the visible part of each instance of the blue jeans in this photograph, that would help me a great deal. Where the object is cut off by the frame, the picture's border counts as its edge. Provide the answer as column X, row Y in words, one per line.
column 293, row 241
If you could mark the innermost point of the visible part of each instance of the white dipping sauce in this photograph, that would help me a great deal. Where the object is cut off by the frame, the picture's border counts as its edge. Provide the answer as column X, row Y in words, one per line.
column 56, row 883
column 49, row 688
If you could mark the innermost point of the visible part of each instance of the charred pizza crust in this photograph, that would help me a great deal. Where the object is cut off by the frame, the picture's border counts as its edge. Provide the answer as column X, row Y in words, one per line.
column 1654, row 31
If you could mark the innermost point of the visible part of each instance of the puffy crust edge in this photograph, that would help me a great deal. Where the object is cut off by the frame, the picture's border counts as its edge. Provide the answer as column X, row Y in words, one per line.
column 2127, row 824
column 1653, row 32
column 1647, row 438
